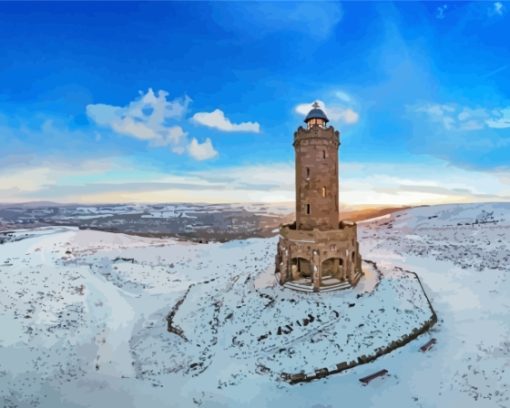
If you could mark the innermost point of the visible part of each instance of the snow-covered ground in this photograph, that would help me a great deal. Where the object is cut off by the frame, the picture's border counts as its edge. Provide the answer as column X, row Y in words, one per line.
column 82, row 318
column 276, row 330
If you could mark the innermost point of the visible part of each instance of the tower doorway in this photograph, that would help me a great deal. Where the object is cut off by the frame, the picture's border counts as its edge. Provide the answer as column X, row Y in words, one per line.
column 332, row 268
column 302, row 270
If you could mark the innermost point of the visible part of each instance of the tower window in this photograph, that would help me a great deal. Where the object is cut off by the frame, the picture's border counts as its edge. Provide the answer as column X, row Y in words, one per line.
column 308, row 208
column 324, row 154
column 308, row 172
column 323, row 192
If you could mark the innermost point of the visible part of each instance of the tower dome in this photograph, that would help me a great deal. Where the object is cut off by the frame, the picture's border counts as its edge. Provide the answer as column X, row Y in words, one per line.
column 316, row 116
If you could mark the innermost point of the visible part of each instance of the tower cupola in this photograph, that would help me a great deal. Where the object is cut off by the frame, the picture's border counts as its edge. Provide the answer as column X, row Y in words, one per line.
column 316, row 117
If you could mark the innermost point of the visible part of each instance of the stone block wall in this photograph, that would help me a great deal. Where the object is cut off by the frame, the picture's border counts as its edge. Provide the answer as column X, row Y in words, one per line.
column 321, row 252
column 316, row 152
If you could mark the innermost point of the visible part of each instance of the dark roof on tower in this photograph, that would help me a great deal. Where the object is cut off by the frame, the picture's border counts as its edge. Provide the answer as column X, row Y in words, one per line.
column 316, row 113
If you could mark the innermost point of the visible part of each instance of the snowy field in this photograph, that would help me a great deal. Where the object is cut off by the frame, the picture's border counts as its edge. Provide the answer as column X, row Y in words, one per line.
column 82, row 317
column 274, row 330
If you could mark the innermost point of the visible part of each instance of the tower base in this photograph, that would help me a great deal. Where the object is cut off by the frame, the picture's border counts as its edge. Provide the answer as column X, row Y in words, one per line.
column 317, row 260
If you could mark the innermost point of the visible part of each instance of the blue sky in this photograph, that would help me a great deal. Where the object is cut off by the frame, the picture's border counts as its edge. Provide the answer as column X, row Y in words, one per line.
column 164, row 102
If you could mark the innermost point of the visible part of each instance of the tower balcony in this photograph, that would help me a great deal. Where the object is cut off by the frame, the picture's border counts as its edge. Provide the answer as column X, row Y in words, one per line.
column 346, row 230
column 317, row 132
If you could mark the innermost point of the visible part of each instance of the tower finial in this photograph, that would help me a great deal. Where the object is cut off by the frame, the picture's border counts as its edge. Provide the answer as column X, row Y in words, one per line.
column 316, row 113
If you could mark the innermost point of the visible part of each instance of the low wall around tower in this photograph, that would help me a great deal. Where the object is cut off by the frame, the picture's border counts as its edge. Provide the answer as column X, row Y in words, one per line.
column 319, row 258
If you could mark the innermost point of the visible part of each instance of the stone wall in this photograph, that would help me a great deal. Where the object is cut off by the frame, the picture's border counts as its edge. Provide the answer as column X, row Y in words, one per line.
column 294, row 378
column 316, row 152
column 323, row 250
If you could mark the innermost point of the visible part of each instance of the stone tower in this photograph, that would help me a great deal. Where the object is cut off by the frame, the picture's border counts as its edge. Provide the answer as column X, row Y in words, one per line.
column 317, row 252
column 316, row 149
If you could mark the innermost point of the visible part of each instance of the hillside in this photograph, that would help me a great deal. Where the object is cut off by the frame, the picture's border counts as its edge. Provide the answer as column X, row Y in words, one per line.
column 83, row 317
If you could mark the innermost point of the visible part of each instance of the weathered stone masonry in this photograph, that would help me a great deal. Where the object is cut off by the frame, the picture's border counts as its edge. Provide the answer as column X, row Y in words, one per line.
column 318, row 250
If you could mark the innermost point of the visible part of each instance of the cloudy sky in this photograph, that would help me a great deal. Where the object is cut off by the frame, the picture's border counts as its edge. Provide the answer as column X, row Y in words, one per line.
column 166, row 102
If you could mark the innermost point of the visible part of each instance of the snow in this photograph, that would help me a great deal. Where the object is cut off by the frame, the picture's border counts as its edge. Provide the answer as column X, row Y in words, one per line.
column 87, row 217
column 82, row 317
column 166, row 214
column 287, row 331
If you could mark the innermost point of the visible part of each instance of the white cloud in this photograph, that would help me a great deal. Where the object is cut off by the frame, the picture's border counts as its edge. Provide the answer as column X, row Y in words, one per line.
column 501, row 119
column 360, row 183
column 217, row 120
column 277, row 176
column 173, row 136
column 30, row 179
column 440, row 12
column 463, row 118
column 343, row 96
column 334, row 112
column 148, row 118
column 145, row 118
column 304, row 108
column 202, row 151
column 348, row 116
column 17, row 181
column 438, row 113
column 498, row 8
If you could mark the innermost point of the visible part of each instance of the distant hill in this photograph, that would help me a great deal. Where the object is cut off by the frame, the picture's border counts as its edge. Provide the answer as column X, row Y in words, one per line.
column 33, row 204
column 367, row 213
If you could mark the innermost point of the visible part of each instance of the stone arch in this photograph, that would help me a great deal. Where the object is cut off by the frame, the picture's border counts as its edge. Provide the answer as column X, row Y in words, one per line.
column 333, row 267
column 301, row 252
column 301, row 268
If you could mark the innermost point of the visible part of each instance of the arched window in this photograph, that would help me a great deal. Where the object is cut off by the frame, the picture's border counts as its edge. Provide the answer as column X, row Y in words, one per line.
column 324, row 154
column 308, row 208
column 323, row 192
